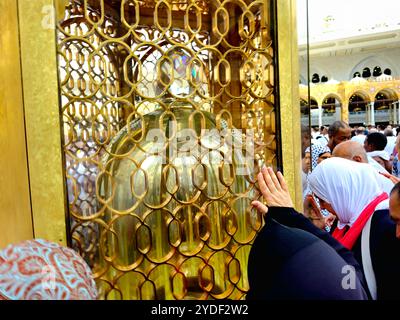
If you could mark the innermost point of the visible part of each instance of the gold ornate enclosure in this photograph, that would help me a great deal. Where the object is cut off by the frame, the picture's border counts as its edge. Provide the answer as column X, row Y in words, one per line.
column 195, row 81
column 112, row 113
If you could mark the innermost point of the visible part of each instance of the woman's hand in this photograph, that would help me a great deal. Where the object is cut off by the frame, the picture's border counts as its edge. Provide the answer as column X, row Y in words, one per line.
column 274, row 190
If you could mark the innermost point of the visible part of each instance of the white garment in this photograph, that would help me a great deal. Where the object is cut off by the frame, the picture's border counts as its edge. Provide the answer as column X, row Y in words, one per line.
column 347, row 185
column 385, row 183
column 379, row 153
column 377, row 166
column 322, row 140
column 315, row 134
column 360, row 138
column 391, row 142
column 384, row 205
column 314, row 141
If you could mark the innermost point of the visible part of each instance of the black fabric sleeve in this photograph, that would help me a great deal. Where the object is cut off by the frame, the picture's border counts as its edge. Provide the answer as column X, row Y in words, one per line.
column 291, row 218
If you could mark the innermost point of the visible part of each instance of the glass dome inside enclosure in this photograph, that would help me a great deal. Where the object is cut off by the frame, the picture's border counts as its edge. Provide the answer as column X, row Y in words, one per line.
column 168, row 113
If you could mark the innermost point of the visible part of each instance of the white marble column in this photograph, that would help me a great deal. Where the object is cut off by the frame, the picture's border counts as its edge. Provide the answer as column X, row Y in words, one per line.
column 393, row 112
column 367, row 115
column 398, row 114
column 319, row 116
column 372, row 112
column 338, row 112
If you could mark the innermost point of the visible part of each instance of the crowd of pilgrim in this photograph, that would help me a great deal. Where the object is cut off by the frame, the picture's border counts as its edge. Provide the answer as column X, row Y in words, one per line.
column 345, row 242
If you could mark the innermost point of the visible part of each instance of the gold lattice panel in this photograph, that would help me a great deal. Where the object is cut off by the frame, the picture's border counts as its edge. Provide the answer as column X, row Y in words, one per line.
column 168, row 113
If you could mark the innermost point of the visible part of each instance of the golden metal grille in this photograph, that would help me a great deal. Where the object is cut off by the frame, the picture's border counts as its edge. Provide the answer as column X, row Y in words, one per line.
column 159, row 181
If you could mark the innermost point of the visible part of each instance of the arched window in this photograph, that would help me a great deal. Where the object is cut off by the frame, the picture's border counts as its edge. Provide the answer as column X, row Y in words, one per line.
column 329, row 105
column 387, row 71
column 324, row 79
column 366, row 72
column 315, row 78
column 382, row 101
column 304, row 108
column 377, row 71
column 313, row 104
column 357, row 103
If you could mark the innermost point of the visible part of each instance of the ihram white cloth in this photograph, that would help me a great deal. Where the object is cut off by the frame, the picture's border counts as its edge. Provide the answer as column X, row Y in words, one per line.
column 347, row 185
column 379, row 153
column 377, row 166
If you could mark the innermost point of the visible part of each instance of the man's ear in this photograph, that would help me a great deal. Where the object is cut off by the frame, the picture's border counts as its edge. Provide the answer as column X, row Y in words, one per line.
column 357, row 159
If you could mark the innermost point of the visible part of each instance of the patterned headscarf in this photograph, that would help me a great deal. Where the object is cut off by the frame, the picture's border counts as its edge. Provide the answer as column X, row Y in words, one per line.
column 316, row 151
column 42, row 270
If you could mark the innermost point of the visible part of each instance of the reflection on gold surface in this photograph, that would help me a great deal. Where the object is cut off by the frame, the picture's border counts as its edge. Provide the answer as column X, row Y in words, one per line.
column 42, row 119
column 289, row 99
column 168, row 208
column 15, row 209
column 156, row 221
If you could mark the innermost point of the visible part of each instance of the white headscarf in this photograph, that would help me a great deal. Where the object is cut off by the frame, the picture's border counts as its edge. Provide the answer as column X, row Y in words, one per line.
column 348, row 186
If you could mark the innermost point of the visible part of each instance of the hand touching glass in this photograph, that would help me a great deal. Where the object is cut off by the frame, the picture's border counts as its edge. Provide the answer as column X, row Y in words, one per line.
column 274, row 190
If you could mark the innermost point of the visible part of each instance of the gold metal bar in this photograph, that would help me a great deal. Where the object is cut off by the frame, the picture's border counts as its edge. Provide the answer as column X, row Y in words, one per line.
column 289, row 97
column 15, row 208
column 42, row 116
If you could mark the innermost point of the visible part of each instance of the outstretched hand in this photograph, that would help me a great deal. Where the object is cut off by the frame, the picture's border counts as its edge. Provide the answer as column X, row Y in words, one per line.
column 391, row 177
column 274, row 190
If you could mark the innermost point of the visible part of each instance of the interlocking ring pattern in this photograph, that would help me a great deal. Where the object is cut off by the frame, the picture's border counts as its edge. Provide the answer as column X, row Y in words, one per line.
column 166, row 215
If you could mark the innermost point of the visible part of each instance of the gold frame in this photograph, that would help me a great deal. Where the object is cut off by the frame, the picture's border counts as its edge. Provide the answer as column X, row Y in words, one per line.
column 290, row 118
column 15, row 207
column 42, row 117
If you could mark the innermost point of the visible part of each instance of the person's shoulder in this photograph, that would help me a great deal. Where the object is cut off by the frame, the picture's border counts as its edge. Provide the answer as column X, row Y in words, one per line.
column 278, row 237
column 382, row 226
column 382, row 216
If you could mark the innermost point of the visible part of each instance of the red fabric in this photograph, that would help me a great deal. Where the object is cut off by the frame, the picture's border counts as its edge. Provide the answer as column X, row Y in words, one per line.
column 349, row 238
